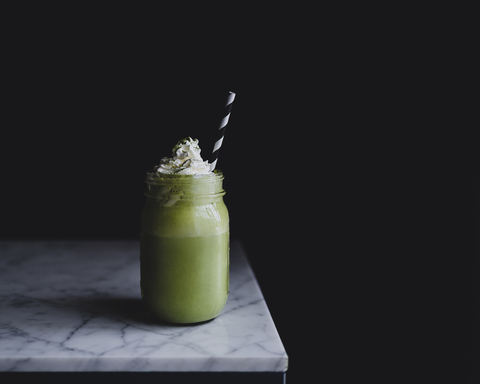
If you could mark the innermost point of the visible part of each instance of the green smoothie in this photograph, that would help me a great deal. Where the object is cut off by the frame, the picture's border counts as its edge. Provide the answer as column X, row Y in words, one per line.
column 184, row 247
column 185, row 279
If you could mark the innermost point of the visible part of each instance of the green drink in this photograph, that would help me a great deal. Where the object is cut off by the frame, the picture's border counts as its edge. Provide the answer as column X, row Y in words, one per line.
column 184, row 247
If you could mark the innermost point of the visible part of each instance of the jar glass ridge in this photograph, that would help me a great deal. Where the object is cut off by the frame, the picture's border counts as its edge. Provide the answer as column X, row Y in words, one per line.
column 184, row 187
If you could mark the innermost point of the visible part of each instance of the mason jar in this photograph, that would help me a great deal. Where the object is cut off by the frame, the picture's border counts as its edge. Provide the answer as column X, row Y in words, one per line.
column 184, row 247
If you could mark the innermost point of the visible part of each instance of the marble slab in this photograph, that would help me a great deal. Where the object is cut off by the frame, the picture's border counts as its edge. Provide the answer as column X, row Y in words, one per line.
column 76, row 306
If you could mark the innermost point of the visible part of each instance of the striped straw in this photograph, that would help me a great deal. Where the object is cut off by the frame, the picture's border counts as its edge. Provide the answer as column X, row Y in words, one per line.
column 221, row 131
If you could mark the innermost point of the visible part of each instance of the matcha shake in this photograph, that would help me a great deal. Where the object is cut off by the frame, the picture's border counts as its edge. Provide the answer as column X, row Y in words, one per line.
column 184, row 241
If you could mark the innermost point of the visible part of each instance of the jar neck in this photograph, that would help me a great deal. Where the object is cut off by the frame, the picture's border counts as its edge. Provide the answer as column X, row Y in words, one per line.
column 177, row 188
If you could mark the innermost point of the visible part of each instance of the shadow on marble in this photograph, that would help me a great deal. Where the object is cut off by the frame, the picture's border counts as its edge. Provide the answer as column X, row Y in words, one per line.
column 125, row 309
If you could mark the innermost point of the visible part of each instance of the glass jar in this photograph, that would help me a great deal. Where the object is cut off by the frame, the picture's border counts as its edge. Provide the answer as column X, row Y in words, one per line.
column 184, row 247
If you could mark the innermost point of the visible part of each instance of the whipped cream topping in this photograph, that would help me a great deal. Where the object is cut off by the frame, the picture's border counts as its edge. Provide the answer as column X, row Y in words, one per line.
column 185, row 160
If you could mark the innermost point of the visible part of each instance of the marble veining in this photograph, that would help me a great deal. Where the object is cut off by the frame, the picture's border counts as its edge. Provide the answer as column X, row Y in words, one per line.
column 76, row 306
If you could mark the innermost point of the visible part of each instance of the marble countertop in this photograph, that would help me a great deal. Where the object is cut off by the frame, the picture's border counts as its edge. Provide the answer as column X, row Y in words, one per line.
column 76, row 306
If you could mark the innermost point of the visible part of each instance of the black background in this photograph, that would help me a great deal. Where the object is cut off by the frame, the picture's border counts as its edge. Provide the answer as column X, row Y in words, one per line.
column 93, row 98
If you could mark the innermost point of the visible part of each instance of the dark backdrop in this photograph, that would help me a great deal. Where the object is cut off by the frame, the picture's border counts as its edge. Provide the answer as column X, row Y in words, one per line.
column 92, row 103
column 92, row 99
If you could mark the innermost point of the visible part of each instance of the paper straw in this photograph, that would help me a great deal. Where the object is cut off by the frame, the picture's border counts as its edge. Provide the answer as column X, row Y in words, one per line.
column 221, row 131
